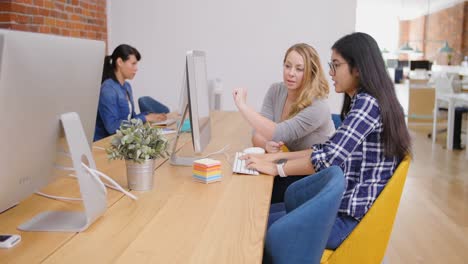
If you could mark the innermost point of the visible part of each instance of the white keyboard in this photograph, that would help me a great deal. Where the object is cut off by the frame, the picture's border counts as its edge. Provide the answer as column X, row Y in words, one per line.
column 238, row 166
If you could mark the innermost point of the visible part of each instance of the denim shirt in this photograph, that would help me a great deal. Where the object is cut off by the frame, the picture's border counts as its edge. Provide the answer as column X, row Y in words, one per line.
column 113, row 108
column 357, row 148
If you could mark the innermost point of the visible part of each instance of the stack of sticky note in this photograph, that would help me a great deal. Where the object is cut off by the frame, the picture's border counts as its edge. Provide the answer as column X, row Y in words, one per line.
column 207, row 170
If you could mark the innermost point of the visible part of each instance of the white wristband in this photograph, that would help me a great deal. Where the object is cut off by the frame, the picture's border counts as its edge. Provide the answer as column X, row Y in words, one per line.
column 280, row 169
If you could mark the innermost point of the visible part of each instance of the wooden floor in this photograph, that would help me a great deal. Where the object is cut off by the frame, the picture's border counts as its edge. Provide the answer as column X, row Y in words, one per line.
column 432, row 221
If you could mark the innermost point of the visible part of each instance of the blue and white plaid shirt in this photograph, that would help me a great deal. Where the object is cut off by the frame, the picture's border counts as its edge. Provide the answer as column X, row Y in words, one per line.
column 357, row 148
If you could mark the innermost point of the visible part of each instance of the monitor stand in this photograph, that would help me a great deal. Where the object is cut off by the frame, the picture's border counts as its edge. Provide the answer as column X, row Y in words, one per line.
column 93, row 191
column 176, row 160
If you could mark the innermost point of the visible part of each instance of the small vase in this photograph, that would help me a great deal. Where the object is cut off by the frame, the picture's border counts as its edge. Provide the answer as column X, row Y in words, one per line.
column 140, row 175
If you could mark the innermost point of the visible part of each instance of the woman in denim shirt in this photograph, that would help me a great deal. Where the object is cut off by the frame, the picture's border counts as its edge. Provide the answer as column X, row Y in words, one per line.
column 372, row 140
column 116, row 97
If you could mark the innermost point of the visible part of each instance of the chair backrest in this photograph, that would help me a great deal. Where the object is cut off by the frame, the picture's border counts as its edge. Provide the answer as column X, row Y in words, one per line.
column 312, row 205
column 443, row 84
column 367, row 243
column 336, row 118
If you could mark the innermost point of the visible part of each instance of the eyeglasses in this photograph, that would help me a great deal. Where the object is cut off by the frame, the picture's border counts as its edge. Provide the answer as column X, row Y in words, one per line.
column 334, row 65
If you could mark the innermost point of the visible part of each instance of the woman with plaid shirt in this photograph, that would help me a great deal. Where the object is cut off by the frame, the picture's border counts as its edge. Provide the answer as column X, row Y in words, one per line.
column 368, row 146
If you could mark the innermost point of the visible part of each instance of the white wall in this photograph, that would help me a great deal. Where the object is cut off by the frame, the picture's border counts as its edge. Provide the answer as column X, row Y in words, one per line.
column 380, row 19
column 245, row 40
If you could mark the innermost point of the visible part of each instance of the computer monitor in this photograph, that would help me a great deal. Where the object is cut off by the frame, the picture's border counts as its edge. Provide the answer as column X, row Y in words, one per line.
column 42, row 77
column 195, row 97
column 392, row 63
column 402, row 64
column 420, row 64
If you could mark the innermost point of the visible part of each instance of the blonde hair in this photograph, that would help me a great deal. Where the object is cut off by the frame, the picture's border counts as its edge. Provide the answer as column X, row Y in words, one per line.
column 313, row 85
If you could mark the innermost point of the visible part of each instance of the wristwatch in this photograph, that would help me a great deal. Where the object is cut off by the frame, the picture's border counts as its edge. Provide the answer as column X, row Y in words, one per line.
column 279, row 166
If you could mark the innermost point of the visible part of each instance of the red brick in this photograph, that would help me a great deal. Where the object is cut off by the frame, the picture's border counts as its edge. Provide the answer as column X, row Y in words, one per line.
column 55, row 30
column 61, row 23
column 49, row 4
column 19, row 8
column 38, row 20
column 44, row 29
column 21, row 19
column 84, row 5
column 39, row 3
column 33, row 28
column 32, row 10
column 43, row 12
column 85, row 13
column 5, row 26
column 59, row 6
column 5, row 17
column 20, row 27
column 75, row 17
column 5, row 6
column 75, row 33
column 49, row 21
column 92, row 35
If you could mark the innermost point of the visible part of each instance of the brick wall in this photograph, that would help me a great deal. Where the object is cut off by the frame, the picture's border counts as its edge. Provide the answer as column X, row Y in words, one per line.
column 429, row 32
column 75, row 18
column 465, row 31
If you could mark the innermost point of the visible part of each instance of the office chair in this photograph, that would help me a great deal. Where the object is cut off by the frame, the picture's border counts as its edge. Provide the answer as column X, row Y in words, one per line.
column 336, row 120
column 367, row 243
column 311, row 206
column 149, row 105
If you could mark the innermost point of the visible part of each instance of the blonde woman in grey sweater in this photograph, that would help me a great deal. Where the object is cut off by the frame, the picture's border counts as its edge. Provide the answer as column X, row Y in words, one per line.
column 294, row 112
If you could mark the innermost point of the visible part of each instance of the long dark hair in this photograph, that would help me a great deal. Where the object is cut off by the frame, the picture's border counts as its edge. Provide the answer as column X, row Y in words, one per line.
column 123, row 51
column 361, row 52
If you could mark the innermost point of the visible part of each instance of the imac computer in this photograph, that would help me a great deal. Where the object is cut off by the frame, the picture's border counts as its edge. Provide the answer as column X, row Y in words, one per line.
column 392, row 63
column 46, row 82
column 194, row 101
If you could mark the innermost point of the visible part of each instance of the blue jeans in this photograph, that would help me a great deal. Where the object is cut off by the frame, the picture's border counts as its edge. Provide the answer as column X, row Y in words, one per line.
column 342, row 227
column 149, row 105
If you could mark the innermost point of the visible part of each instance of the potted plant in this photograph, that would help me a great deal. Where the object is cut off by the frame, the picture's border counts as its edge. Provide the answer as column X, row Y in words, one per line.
column 139, row 145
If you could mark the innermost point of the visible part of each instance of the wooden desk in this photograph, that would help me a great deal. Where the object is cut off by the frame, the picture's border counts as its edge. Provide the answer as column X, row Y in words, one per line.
column 180, row 221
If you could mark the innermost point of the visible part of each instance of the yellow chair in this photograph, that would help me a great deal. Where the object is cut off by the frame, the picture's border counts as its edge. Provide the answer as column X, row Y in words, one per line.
column 368, row 241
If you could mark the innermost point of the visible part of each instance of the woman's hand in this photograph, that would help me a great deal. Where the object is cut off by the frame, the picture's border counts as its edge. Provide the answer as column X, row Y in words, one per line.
column 240, row 97
column 155, row 117
column 273, row 147
column 260, row 163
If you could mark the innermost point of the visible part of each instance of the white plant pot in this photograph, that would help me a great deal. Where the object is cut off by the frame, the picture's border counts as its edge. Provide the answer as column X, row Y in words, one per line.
column 140, row 175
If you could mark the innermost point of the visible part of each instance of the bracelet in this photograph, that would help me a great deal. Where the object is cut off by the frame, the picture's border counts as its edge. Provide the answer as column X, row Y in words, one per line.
column 280, row 169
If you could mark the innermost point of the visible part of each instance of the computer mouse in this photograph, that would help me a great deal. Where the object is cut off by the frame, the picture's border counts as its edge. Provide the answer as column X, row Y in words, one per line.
column 254, row 150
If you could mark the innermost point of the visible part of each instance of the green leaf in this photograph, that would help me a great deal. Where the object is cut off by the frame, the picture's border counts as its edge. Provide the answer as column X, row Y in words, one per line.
column 138, row 142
